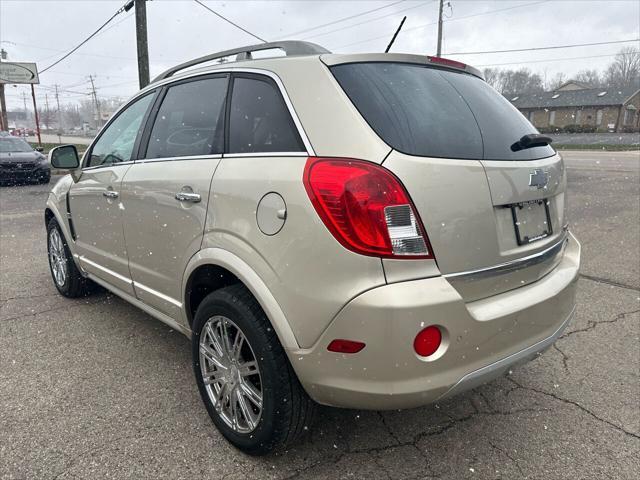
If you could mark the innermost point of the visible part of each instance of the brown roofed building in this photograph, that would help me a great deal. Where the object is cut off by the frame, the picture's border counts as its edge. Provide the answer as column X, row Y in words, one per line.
column 577, row 107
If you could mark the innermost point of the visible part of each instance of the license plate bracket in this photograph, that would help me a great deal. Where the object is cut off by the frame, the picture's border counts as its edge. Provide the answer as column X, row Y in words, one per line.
column 531, row 221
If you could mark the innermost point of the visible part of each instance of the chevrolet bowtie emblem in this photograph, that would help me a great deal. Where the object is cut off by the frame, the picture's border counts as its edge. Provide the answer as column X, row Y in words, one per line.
column 539, row 178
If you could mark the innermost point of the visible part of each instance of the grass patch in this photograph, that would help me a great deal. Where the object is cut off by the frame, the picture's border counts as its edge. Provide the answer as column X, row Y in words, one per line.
column 49, row 146
column 603, row 147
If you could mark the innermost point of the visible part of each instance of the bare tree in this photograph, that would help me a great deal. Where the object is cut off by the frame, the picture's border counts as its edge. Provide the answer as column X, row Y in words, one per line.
column 558, row 80
column 590, row 78
column 72, row 116
column 493, row 76
column 513, row 81
column 624, row 71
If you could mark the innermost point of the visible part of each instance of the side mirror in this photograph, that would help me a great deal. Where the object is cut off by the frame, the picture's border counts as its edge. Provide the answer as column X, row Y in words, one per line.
column 64, row 157
column 39, row 149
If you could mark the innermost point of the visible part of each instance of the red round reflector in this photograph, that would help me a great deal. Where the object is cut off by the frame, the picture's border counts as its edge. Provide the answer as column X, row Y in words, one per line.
column 345, row 346
column 427, row 341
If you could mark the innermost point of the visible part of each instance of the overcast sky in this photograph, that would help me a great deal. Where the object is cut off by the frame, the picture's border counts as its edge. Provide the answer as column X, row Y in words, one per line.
column 42, row 31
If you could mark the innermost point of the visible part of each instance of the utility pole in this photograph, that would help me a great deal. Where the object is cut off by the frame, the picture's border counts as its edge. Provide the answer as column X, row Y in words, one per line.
column 46, row 108
column 35, row 114
column 59, row 114
column 24, row 103
column 95, row 102
column 4, row 122
column 440, row 8
column 141, row 41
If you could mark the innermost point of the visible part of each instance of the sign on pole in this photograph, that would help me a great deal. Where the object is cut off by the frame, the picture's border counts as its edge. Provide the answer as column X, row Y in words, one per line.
column 14, row 73
column 21, row 73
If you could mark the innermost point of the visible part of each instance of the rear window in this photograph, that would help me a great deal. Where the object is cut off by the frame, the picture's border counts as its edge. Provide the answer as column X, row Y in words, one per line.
column 431, row 112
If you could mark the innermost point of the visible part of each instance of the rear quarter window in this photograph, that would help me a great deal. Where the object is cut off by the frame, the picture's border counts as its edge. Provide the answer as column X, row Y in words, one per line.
column 431, row 112
column 259, row 120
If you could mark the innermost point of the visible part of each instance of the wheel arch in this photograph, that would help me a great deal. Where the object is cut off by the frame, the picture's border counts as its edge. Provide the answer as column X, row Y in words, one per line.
column 51, row 211
column 224, row 268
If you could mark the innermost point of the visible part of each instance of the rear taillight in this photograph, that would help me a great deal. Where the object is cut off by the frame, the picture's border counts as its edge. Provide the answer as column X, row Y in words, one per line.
column 366, row 208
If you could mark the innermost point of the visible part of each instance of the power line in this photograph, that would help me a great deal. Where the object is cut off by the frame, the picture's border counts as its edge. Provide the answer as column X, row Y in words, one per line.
column 418, row 27
column 544, row 48
column 117, row 84
column 118, row 12
column 367, row 21
column 229, row 21
column 497, row 11
column 343, row 19
column 549, row 60
column 89, row 54
column 384, row 36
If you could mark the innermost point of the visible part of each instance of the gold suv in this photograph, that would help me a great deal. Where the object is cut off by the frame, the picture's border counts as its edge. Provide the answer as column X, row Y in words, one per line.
column 374, row 231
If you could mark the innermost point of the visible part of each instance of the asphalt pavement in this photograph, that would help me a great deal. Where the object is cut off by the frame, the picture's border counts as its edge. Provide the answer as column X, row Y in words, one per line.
column 95, row 388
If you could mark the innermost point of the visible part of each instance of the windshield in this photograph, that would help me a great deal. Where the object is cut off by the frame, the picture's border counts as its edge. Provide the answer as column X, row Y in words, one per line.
column 14, row 145
column 432, row 112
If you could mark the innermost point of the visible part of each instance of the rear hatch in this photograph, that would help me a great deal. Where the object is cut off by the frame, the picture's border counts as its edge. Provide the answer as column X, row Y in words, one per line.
column 494, row 216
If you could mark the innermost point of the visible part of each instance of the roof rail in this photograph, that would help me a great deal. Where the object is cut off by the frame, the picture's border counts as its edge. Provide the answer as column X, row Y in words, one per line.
column 290, row 47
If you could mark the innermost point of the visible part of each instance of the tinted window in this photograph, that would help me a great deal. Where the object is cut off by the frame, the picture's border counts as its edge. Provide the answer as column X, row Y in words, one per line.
column 437, row 113
column 190, row 120
column 259, row 120
column 500, row 122
column 412, row 108
column 117, row 141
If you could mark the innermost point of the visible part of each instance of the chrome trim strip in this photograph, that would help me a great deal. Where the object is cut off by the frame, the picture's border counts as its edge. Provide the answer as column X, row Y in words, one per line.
column 143, row 306
column 122, row 278
column 258, row 71
column 266, row 154
column 206, row 71
column 213, row 156
column 507, row 267
column 493, row 370
column 95, row 167
column 155, row 293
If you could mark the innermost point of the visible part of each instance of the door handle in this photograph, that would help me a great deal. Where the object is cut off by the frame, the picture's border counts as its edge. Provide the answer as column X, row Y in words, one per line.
column 110, row 194
column 188, row 197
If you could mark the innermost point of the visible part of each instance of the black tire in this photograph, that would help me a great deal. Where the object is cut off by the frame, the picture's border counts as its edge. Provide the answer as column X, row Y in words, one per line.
column 44, row 179
column 75, row 285
column 287, row 410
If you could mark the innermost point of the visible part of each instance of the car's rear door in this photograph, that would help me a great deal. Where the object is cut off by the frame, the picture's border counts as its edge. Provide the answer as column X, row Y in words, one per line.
column 95, row 198
column 166, row 191
column 494, row 216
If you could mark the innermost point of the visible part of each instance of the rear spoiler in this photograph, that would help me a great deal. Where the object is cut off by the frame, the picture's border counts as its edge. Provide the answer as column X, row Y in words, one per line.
column 339, row 59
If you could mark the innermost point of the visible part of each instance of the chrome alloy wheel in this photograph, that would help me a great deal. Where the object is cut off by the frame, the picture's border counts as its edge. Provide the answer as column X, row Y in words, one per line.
column 57, row 257
column 230, row 374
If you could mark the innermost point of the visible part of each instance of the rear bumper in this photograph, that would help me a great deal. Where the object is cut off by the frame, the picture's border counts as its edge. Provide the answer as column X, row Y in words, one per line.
column 501, row 367
column 481, row 339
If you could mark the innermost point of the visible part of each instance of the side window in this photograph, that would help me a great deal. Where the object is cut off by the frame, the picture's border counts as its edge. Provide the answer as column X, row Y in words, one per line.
column 190, row 119
column 259, row 120
column 116, row 143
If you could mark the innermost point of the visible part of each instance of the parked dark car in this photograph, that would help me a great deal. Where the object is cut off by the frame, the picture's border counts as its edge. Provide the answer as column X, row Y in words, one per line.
column 20, row 162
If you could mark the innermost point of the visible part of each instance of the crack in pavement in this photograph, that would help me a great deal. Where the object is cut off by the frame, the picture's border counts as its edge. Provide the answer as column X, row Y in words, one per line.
column 62, row 307
column 508, row 455
column 576, row 404
column 29, row 297
column 565, row 358
column 607, row 281
column 453, row 422
column 591, row 324
column 492, row 412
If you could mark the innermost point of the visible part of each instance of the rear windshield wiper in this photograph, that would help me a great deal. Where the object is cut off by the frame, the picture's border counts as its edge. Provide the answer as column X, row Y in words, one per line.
column 531, row 140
